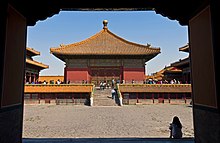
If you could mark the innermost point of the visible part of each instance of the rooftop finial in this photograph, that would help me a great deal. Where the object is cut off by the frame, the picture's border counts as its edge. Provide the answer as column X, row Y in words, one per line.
column 105, row 22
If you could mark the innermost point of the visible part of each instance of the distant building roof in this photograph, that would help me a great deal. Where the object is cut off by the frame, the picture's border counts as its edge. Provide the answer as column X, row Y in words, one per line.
column 181, row 63
column 29, row 60
column 172, row 70
column 32, row 51
column 184, row 48
column 105, row 43
column 38, row 64
column 160, row 74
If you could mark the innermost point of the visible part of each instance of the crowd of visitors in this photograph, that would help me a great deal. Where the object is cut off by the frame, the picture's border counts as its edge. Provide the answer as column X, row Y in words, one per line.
column 155, row 81
column 104, row 84
column 45, row 82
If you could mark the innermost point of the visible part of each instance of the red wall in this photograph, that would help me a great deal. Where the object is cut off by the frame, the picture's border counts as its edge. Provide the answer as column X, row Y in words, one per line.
column 136, row 74
column 80, row 74
column 76, row 74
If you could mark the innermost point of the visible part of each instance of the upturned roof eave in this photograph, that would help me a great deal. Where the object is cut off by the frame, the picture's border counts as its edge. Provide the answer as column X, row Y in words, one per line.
column 37, row 64
column 182, row 62
column 137, row 56
column 32, row 51
column 104, row 54
column 153, row 52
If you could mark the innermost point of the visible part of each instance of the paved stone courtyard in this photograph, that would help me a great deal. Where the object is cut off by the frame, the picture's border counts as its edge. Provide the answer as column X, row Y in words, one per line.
column 78, row 121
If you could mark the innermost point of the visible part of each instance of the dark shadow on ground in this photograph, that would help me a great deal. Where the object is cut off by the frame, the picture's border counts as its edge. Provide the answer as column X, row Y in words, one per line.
column 117, row 101
column 107, row 140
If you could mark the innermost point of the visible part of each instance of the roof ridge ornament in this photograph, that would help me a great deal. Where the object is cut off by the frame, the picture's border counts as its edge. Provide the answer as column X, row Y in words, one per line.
column 62, row 45
column 105, row 23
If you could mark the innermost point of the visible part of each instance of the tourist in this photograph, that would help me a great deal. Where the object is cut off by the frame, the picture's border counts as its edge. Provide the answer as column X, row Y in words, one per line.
column 101, row 86
column 58, row 81
column 108, row 85
column 123, row 81
column 113, row 82
column 104, row 85
column 113, row 93
column 175, row 128
column 150, row 81
column 172, row 82
column 132, row 81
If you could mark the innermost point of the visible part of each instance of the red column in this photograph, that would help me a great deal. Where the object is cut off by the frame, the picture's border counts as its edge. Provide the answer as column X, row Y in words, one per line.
column 29, row 78
column 169, row 97
column 65, row 76
column 34, row 78
column 153, row 97
column 122, row 73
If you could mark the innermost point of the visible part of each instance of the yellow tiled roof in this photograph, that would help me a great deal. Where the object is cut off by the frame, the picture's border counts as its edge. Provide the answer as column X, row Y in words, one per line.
column 160, row 74
column 105, row 43
column 32, row 51
column 41, row 65
column 173, row 69
column 184, row 48
column 157, row 88
column 181, row 62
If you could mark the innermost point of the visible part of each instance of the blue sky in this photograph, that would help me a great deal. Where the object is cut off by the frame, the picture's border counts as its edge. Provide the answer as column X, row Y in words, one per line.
column 138, row 26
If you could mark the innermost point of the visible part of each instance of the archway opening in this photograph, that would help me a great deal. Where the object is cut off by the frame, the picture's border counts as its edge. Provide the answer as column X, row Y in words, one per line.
column 143, row 35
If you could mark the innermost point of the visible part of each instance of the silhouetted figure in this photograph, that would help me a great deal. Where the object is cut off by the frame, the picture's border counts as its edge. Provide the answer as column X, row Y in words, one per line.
column 175, row 128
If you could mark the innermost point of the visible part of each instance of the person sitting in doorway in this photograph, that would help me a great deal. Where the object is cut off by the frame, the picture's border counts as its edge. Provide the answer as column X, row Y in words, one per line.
column 175, row 128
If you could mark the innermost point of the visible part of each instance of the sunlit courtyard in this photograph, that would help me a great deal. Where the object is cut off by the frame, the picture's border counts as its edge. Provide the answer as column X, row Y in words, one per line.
column 78, row 121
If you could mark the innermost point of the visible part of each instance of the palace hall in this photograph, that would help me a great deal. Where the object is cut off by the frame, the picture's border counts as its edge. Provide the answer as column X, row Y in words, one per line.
column 103, row 57
column 33, row 67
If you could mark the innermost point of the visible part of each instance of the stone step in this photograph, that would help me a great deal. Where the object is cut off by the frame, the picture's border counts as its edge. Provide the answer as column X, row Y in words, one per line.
column 104, row 101
column 103, row 98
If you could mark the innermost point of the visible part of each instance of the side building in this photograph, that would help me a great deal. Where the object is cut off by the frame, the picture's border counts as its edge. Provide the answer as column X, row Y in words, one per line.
column 184, row 64
column 32, row 67
column 179, row 70
column 103, row 57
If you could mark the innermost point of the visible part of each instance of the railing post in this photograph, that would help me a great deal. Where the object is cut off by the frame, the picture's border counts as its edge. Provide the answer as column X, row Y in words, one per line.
column 91, row 101
column 73, row 96
column 119, row 95
column 169, row 97
column 184, row 97
column 91, row 95
column 153, row 97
